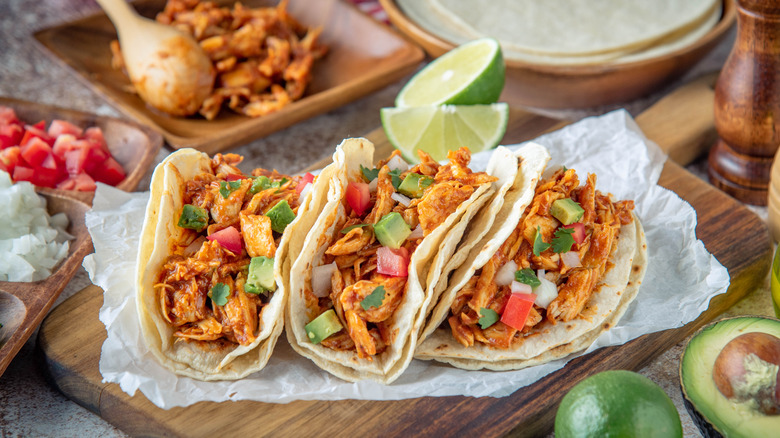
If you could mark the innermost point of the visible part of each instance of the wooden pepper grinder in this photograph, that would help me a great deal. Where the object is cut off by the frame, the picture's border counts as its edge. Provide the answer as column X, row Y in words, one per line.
column 747, row 105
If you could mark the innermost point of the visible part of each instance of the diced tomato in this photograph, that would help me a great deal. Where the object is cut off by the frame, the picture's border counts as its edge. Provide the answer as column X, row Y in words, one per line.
column 35, row 151
column 23, row 173
column 579, row 231
column 59, row 127
column 32, row 131
column 75, row 159
column 358, row 197
column 50, row 162
column 8, row 116
column 63, row 144
column 229, row 238
column 9, row 158
column 392, row 262
column 10, row 135
column 40, row 125
column 81, row 182
column 44, row 177
column 233, row 177
column 108, row 172
column 517, row 309
column 305, row 180
column 95, row 134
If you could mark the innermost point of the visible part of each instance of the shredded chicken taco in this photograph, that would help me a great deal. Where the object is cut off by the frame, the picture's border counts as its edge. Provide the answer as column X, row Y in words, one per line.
column 363, row 283
column 557, row 267
column 213, row 258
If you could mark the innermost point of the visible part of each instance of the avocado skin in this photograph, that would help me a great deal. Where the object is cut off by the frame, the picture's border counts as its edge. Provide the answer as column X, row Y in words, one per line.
column 709, row 340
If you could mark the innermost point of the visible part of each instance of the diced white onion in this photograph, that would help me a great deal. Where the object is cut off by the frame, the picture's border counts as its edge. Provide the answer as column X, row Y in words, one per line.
column 194, row 246
column 571, row 259
column 306, row 190
column 398, row 163
column 401, row 199
column 372, row 185
column 540, row 273
column 545, row 292
column 417, row 233
column 320, row 279
column 521, row 288
column 506, row 274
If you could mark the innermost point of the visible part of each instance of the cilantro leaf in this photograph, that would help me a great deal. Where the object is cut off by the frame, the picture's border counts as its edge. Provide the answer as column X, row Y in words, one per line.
column 219, row 293
column 487, row 318
column 563, row 240
column 395, row 178
column 539, row 245
column 565, row 168
column 374, row 299
column 528, row 277
column 228, row 187
column 352, row 227
column 369, row 174
column 262, row 182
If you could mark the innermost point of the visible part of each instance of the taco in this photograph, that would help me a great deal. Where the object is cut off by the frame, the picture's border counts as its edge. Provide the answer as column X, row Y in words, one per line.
column 362, row 285
column 559, row 265
column 213, row 258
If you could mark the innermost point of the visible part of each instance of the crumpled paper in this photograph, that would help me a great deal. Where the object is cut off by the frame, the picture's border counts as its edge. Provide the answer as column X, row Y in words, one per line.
column 681, row 279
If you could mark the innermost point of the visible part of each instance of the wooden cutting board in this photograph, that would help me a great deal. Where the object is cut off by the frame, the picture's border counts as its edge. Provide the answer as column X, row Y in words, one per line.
column 71, row 336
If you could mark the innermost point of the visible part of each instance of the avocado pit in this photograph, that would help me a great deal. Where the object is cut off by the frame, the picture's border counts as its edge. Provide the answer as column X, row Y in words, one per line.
column 746, row 370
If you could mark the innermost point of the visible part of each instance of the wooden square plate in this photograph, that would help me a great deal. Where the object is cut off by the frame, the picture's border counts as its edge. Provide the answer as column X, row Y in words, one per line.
column 364, row 56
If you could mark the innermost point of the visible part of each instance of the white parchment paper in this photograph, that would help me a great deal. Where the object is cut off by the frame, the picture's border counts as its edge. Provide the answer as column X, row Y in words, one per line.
column 681, row 279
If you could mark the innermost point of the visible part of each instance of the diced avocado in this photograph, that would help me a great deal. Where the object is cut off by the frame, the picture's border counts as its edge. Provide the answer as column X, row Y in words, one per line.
column 392, row 230
column 323, row 326
column 261, row 275
column 281, row 215
column 193, row 217
column 414, row 184
column 566, row 210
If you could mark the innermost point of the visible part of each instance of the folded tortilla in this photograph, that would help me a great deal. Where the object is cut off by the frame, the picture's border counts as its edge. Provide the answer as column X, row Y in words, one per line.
column 546, row 341
column 426, row 266
column 161, row 238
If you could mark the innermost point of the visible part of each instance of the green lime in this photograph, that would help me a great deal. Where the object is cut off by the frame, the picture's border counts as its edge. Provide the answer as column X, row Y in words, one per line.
column 470, row 74
column 437, row 129
column 617, row 403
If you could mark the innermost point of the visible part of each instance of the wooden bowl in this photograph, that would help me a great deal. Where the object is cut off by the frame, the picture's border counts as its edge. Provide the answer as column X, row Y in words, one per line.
column 558, row 87
column 23, row 305
column 132, row 145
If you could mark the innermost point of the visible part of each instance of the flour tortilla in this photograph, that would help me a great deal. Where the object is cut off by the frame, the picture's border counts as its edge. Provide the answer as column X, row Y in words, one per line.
column 434, row 17
column 615, row 291
column 205, row 360
column 408, row 317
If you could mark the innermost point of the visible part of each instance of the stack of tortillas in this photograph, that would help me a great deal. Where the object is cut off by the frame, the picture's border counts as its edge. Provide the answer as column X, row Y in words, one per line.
column 575, row 32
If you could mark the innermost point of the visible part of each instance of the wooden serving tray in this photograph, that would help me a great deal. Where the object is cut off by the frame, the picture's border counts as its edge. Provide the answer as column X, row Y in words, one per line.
column 735, row 235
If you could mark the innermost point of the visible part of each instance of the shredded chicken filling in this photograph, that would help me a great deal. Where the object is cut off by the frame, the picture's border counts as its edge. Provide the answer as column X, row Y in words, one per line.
column 263, row 57
column 602, row 219
column 370, row 331
column 198, row 264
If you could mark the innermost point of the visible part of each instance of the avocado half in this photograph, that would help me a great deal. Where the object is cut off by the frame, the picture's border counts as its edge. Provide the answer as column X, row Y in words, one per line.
column 714, row 414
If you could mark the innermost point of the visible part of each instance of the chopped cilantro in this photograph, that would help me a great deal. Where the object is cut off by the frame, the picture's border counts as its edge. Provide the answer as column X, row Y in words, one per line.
column 228, row 187
column 564, row 168
column 539, row 245
column 563, row 240
column 528, row 277
column 487, row 318
column 369, row 174
column 352, row 227
column 374, row 299
column 219, row 294
column 260, row 183
column 395, row 178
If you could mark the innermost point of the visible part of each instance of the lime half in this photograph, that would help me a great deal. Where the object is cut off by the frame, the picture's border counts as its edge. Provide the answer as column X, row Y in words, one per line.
column 470, row 74
column 438, row 129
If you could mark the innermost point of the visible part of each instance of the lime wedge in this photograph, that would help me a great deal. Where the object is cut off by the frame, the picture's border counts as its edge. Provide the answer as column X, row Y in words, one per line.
column 470, row 74
column 438, row 129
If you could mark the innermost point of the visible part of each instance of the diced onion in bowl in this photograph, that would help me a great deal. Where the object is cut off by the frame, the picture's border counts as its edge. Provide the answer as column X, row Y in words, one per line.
column 398, row 163
column 571, row 259
column 545, row 292
column 506, row 274
column 320, row 279
column 401, row 199
column 417, row 233
column 521, row 288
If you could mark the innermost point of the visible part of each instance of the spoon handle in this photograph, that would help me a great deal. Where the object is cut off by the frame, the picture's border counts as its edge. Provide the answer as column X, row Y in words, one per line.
column 121, row 14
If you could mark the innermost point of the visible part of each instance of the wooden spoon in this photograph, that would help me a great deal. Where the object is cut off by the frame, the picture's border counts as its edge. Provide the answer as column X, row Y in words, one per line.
column 167, row 67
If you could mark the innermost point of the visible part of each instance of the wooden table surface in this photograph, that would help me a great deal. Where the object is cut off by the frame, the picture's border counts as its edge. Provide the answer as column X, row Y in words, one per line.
column 29, row 406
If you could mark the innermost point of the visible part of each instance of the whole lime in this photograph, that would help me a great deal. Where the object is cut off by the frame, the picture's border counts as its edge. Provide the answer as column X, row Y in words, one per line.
column 617, row 403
